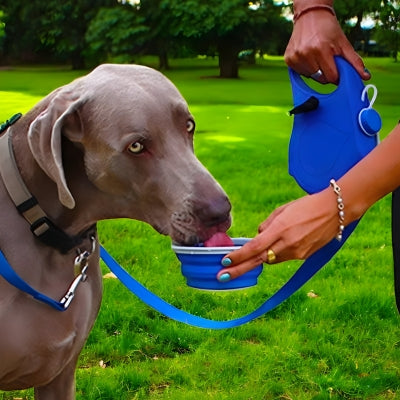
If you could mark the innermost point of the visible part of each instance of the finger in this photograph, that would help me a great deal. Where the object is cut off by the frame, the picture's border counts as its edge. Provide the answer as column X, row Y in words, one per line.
column 318, row 64
column 326, row 64
column 230, row 273
column 275, row 253
column 235, row 271
column 272, row 217
column 319, row 76
column 250, row 250
column 305, row 66
column 329, row 70
column 357, row 62
column 311, row 70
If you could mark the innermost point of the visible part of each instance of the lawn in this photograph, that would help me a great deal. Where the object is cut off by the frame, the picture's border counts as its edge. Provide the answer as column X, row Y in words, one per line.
column 336, row 338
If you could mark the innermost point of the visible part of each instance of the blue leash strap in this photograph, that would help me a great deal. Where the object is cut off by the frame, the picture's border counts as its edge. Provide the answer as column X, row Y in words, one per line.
column 308, row 269
column 7, row 272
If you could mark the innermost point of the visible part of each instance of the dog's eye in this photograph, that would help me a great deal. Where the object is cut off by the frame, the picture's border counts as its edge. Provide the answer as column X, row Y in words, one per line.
column 136, row 148
column 190, row 125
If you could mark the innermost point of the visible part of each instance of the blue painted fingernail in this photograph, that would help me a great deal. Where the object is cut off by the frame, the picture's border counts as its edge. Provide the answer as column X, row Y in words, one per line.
column 226, row 262
column 224, row 277
column 367, row 71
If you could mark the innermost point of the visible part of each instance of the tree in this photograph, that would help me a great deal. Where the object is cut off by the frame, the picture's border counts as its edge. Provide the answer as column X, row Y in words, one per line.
column 2, row 34
column 224, row 26
column 115, row 34
column 122, row 31
column 355, row 10
column 64, row 26
column 389, row 26
column 52, row 28
column 165, row 27
column 159, row 40
column 15, row 19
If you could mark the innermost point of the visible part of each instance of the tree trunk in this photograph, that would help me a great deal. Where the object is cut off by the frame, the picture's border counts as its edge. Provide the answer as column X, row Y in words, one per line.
column 252, row 57
column 77, row 60
column 356, row 33
column 163, row 61
column 228, row 61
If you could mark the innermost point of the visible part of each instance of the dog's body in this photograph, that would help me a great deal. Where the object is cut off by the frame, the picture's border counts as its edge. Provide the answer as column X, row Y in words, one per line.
column 116, row 143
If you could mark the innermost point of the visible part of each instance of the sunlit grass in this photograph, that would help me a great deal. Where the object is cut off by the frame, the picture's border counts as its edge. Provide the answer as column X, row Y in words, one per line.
column 15, row 101
column 341, row 343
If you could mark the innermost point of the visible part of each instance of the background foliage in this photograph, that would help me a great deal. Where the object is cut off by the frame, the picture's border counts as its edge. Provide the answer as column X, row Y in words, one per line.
column 85, row 33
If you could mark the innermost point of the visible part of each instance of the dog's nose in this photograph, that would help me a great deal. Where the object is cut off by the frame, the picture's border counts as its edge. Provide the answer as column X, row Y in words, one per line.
column 214, row 211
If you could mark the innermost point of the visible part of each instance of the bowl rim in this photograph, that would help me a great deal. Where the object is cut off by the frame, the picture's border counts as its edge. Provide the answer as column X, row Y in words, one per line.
column 202, row 250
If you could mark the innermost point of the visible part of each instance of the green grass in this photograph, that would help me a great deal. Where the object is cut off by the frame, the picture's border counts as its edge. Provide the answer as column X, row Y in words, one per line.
column 342, row 344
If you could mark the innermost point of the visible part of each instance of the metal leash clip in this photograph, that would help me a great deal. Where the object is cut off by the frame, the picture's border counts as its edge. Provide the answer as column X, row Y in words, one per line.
column 80, row 267
column 80, row 264
column 66, row 300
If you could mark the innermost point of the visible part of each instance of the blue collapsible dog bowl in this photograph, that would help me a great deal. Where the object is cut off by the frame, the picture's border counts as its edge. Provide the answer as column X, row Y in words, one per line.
column 200, row 266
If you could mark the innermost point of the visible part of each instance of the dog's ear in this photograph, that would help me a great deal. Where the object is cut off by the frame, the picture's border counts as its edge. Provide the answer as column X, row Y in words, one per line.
column 61, row 116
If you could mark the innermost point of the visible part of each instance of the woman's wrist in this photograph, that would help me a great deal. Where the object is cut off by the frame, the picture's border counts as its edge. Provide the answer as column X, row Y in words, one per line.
column 298, row 5
column 311, row 8
column 372, row 178
column 340, row 206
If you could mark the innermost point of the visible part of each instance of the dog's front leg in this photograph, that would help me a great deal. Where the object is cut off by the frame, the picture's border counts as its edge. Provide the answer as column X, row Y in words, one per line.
column 62, row 387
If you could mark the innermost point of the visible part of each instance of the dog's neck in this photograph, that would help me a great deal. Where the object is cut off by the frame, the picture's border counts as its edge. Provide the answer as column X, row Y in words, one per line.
column 31, row 200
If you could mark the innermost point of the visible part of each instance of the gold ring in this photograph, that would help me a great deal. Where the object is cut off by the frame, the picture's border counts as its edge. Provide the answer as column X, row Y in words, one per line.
column 271, row 257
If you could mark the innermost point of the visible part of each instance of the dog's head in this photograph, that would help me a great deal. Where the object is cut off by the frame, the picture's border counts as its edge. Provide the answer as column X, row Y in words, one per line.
column 134, row 134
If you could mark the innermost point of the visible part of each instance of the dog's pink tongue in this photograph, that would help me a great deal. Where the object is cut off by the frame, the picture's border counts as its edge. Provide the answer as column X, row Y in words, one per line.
column 219, row 239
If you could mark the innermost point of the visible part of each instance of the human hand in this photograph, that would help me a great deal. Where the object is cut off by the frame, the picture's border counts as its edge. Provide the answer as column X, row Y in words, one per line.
column 293, row 231
column 316, row 38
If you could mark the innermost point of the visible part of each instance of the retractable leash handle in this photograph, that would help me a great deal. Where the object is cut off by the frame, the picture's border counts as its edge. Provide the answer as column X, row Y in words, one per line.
column 342, row 129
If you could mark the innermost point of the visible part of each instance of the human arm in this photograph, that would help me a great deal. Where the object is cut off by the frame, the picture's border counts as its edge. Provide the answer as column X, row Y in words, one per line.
column 316, row 38
column 296, row 230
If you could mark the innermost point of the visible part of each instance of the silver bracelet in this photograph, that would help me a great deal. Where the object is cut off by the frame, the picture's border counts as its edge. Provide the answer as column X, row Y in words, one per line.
column 340, row 206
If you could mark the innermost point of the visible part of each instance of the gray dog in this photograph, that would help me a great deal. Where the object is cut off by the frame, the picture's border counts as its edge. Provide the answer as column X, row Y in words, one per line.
column 115, row 143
